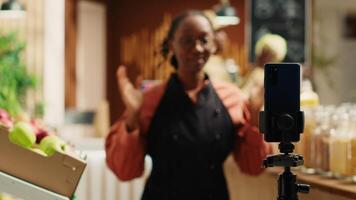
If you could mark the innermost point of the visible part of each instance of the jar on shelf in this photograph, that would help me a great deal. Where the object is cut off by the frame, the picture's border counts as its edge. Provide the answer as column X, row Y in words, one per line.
column 325, row 144
column 306, row 138
column 339, row 146
column 352, row 155
column 309, row 104
column 320, row 142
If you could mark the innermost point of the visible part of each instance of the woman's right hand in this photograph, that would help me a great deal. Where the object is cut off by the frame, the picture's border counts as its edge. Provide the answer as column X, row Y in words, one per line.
column 256, row 101
column 131, row 95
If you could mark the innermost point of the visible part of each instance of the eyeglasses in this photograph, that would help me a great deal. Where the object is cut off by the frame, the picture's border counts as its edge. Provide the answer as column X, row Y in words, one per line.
column 190, row 42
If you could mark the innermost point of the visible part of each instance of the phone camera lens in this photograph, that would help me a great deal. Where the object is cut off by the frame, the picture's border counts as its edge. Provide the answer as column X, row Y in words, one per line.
column 274, row 75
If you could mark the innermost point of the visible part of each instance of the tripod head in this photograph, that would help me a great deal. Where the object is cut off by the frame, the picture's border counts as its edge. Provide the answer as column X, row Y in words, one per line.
column 287, row 187
column 284, row 159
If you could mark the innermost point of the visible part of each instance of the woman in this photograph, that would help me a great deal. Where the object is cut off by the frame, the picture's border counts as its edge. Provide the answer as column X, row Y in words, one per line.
column 188, row 125
column 270, row 48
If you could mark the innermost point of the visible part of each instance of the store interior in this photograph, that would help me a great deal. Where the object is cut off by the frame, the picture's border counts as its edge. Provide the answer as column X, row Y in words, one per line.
column 58, row 66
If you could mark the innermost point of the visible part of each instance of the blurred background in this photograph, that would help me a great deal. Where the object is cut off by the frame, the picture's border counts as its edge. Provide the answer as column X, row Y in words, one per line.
column 63, row 56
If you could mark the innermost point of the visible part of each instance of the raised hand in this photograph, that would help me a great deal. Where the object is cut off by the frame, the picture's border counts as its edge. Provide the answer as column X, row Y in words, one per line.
column 131, row 95
column 256, row 100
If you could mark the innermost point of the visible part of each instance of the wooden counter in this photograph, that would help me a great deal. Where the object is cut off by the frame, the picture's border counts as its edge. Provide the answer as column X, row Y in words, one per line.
column 264, row 187
column 334, row 186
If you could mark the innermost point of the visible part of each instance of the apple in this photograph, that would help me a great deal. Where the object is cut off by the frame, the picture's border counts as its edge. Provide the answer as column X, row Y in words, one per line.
column 23, row 117
column 40, row 134
column 39, row 151
column 51, row 144
column 37, row 124
column 40, row 130
column 22, row 134
column 4, row 114
column 4, row 196
column 5, row 119
column 7, row 123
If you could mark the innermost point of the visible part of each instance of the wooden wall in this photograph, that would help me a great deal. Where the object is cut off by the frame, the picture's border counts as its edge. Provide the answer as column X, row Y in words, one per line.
column 125, row 18
column 70, row 82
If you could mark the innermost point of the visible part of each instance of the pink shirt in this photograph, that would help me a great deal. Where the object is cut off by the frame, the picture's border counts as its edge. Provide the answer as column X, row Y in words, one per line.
column 125, row 151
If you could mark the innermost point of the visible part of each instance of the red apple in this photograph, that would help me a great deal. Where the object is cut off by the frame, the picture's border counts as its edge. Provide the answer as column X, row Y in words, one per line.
column 40, row 134
column 5, row 119
column 7, row 123
column 4, row 114
column 40, row 130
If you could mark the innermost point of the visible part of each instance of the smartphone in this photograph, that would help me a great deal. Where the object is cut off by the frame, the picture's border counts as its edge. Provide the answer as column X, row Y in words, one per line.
column 282, row 97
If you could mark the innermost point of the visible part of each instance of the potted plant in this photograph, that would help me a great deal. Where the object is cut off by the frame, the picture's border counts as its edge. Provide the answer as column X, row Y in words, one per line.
column 14, row 78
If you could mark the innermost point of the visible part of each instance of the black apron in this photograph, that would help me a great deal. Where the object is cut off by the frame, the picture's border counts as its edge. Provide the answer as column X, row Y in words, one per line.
column 188, row 144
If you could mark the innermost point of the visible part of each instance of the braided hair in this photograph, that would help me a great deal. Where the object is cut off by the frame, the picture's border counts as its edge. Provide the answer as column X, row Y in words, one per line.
column 173, row 28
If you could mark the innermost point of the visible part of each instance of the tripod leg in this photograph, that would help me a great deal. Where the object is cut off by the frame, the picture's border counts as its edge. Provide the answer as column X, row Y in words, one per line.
column 287, row 188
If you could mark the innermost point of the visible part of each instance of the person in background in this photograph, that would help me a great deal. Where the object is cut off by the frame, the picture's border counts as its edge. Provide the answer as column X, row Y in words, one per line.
column 218, row 66
column 269, row 48
column 188, row 125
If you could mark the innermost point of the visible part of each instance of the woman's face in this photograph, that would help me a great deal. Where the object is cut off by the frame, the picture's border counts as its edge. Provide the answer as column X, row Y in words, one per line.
column 193, row 43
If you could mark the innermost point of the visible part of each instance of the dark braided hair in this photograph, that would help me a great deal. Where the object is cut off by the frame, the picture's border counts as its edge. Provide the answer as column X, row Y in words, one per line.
column 173, row 28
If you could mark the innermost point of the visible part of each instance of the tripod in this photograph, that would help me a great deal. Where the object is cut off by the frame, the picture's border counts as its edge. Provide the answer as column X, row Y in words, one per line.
column 287, row 188
column 285, row 124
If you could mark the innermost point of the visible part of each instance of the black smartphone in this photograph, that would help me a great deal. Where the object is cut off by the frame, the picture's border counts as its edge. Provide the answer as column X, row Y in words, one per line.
column 282, row 102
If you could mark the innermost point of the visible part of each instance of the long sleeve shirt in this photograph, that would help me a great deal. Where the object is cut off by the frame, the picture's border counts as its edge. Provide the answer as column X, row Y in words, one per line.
column 126, row 150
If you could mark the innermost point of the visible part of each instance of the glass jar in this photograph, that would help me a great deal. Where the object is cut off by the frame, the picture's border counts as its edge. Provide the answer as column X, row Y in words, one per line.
column 328, row 130
column 320, row 141
column 306, row 139
column 314, row 142
column 340, row 145
column 352, row 155
column 309, row 101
